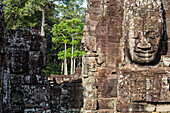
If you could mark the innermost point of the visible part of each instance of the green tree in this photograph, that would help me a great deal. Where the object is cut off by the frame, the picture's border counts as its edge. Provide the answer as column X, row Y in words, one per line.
column 41, row 15
column 26, row 13
column 60, row 14
column 75, row 30
column 60, row 34
column 66, row 32
column 70, row 9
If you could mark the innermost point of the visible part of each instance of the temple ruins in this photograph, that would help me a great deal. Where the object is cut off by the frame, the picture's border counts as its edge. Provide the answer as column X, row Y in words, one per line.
column 126, row 68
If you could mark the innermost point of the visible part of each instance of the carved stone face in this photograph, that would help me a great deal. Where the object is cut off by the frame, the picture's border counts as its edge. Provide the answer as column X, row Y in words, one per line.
column 143, row 40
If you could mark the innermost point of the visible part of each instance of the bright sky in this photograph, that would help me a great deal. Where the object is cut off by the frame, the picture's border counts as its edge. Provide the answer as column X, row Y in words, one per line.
column 85, row 4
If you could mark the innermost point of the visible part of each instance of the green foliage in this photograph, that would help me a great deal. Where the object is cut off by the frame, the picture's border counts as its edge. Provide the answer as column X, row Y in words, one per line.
column 64, row 32
column 50, row 69
column 60, row 32
column 76, row 53
column 61, row 54
column 66, row 29
column 63, row 21
column 75, row 26
column 24, row 13
column 71, row 9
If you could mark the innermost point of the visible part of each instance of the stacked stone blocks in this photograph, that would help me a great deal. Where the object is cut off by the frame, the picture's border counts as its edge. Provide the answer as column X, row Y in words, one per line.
column 109, row 74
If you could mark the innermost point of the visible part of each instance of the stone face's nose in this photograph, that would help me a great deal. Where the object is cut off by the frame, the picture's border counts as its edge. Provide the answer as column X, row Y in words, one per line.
column 144, row 44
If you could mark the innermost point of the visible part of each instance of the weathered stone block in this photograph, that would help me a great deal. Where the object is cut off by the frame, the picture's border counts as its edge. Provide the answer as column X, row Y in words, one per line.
column 104, row 111
column 90, row 104
column 107, row 103
column 163, row 108
column 90, row 89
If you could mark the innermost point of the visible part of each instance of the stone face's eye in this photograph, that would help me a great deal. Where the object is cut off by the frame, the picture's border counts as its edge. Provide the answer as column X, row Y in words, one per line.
column 136, row 37
column 151, row 35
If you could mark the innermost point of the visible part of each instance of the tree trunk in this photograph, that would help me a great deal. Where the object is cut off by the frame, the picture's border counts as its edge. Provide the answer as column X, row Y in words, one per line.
column 13, row 22
column 13, row 25
column 54, row 64
column 65, row 61
column 62, row 65
column 43, row 23
column 72, row 66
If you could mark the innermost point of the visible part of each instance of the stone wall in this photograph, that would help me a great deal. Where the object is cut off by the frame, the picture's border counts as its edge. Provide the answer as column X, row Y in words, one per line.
column 25, row 86
column 66, row 93
column 2, row 52
column 126, row 67
column 102, row 36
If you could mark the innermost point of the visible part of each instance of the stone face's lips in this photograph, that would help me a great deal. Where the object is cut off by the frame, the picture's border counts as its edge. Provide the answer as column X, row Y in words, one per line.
column 144, row 55
column 144, row 52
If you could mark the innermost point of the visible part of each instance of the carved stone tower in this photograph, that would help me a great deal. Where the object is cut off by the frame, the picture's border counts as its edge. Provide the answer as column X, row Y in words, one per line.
column 126, row 67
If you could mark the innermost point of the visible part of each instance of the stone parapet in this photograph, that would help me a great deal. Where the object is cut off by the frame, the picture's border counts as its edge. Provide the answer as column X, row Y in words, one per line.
column 66, row 92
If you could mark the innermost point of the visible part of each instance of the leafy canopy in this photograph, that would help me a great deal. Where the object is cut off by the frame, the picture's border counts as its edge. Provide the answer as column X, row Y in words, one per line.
column 24, row 13
column 64, row 32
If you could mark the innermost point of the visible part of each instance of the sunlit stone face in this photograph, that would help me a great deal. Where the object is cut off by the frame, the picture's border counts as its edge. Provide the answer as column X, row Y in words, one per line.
column 143, row 39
